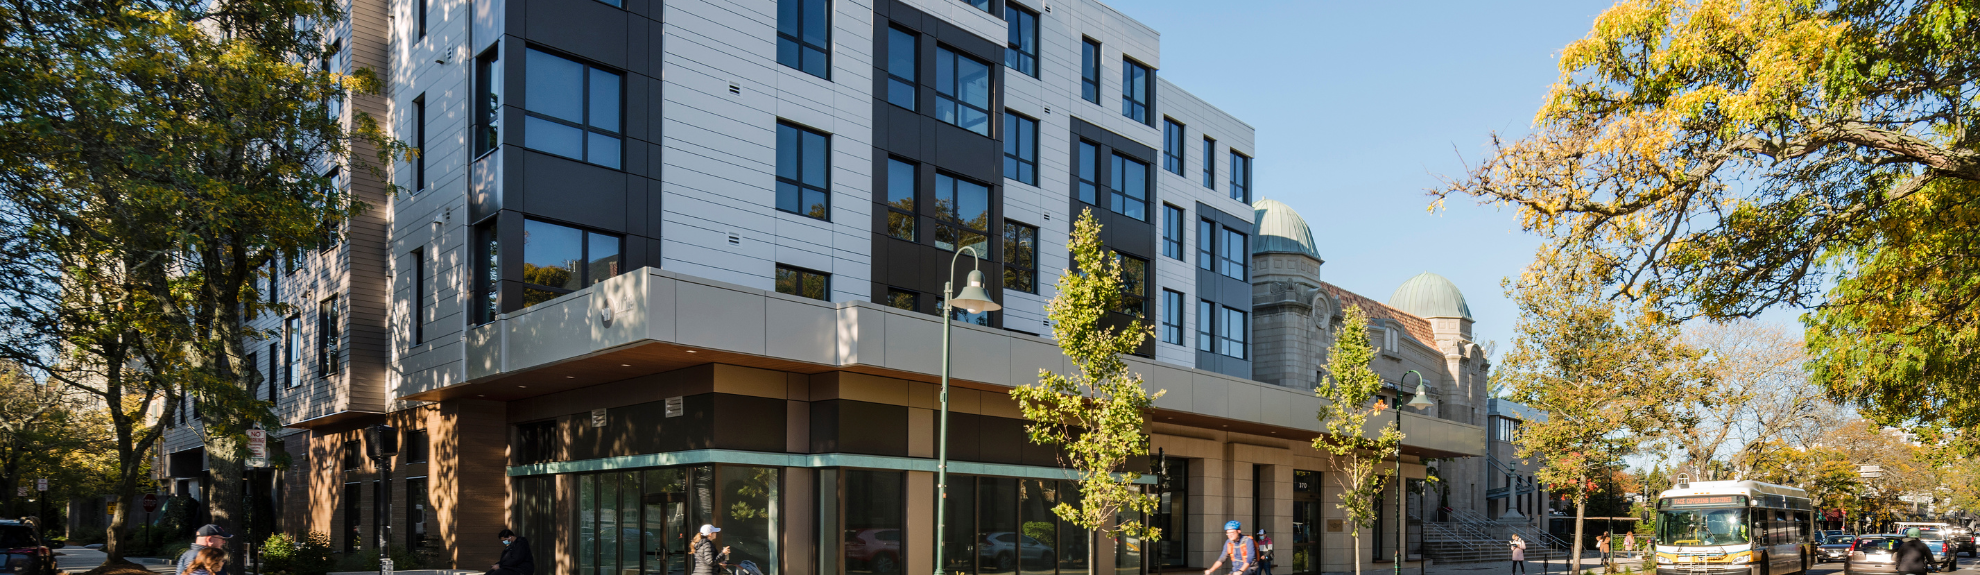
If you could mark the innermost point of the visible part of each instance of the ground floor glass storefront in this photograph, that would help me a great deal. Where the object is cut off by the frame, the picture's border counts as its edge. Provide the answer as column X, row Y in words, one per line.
column 1005, row 526
column 638, row 522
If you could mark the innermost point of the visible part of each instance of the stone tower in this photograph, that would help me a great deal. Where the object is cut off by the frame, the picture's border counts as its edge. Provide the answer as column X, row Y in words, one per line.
column 1285, row 280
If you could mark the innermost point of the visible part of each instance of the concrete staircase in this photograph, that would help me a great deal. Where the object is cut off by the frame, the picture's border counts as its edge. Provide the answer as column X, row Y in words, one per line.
column 1470, row 538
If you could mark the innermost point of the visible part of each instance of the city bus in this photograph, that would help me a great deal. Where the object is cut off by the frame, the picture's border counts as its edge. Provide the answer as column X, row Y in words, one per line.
column 1734, row 528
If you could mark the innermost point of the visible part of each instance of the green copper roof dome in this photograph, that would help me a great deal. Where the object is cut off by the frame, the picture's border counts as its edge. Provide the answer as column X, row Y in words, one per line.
column 1430, row 295
column 1281, row 230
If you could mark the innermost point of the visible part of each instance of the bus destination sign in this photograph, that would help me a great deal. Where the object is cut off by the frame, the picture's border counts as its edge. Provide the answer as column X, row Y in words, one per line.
column 1705, row 501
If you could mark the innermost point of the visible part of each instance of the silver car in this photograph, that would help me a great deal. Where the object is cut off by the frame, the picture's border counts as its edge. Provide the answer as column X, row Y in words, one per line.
column 1873, row 554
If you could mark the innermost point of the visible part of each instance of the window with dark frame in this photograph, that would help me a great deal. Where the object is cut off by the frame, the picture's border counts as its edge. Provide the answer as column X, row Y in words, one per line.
column 803, row 283
column 1235, row 254
column 253, row 364
column 353, row 513
column 418, row 306
column 1240, row 177
column 413, row 447
column 292, row 357
column 1210, row 162
column 1172, row 146
column 898, row 298
column 1206, row 321
column 1231, row 337
column 1172, row 317
column 1020, row 257
column 419, row 138
column 1089, row 71
column 1206, row 244
column 902, row 185
column 962, row 90
column 903, row 66
column 328, row 234
column 1088, row 162
column 487, row 102
column 560, row 259
column 274, row 372
column 962, row 210
column 1020, row 148
column 1129, row 189
column 804, row 168
column 1137, row 91
column 329, row 333
column 1172, row 231
column 537, row 442
column 1134, row 285
column 571, row 109
column 488, row 261
column 353, row 456
column 1021, row 51
column 983, row 5
column 418, row 533
column 421, row 16
column 804, row 36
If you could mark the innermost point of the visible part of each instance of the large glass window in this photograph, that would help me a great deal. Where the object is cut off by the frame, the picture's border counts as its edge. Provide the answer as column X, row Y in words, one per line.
column 572, row 109
column 903, row 59
column 962, row 91
column 1240, row 177
column 1206, row 323
column 419, row 537
column 963, row 210
column 1172, row 317
column 804, row 169
column 875, row 515
column 1088, row 161
column 1231, row 338
column 1235, row 253
column 487, row 101
column 959, row 549
column 900, row 199
column 804, row 36
column 1039, row 534
column 1020, row 148
column 1089, row 71
column 1210, row 163
column 803, row 283
column 561, row 259
column 1137, row 90
column 1129, row 187
column 748, row 513
column 998, row 529
column 1021, row 52
column 1172, row 146
column 1134, row 285
column 635, row 522
column 1172, row 511
column 1172, row 231
column 1020, row 257
column 329, row 333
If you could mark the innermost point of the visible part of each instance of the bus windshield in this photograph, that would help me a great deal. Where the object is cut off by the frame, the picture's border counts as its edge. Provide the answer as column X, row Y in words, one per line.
column 1702, row 526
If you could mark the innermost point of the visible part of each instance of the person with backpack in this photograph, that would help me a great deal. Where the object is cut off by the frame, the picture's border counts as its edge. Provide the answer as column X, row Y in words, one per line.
column 1242, row 552
column 1264, row 553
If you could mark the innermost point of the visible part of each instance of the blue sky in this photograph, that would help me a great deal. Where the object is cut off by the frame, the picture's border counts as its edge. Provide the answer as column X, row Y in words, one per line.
column 1361, row 107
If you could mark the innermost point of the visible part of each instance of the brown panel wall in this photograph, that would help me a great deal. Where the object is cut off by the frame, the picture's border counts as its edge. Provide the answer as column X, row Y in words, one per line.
column 470, row 488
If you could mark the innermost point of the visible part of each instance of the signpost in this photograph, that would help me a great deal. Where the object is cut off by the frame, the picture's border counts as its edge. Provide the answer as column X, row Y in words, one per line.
column 41, row 484
column 257, row 448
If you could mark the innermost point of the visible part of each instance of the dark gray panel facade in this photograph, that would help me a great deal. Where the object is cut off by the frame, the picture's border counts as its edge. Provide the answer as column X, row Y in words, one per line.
column 1225, row 291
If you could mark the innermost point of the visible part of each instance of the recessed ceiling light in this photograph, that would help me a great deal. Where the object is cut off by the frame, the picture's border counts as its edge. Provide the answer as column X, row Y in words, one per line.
column 481, row 396
column 522, row 386
column 625, row 365
column 570, row 377
column 692, row 351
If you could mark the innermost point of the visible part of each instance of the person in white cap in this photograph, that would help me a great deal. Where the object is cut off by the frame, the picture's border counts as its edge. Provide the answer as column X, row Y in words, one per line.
column 706, row 560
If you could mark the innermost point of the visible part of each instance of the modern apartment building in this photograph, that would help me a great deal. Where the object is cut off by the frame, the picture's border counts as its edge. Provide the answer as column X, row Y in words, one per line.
column 667, row 264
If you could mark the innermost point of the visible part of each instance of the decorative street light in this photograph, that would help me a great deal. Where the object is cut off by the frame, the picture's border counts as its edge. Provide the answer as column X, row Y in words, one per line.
column 974, row 300
column 1420, row 401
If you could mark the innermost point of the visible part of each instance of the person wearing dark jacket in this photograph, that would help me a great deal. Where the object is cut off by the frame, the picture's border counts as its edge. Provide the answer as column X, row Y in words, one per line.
column 1913, row 556
column 706, row 560
column 516, row 559
column 208, row 536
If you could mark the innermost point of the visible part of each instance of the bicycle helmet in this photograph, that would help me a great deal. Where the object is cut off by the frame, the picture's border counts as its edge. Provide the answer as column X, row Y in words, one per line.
column 1233, row 525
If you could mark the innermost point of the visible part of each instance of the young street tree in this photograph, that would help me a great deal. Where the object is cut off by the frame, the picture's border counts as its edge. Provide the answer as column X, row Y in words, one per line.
column 1096, row 415
column 1608, row 377
column 1346, row 394
column 1731, row 156
column 1761, row 398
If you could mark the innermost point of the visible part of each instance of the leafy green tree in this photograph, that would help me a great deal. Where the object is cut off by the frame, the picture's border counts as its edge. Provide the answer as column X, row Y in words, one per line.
column 1097, row 414
column 1735, row 155
column 1347, row 394
column 1608, row 377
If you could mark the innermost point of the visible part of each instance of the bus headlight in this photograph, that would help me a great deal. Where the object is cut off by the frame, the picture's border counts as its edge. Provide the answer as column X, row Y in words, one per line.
column 1664, row 559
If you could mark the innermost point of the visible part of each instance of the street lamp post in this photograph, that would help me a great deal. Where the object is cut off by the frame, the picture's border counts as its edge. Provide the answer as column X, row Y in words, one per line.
column 1420, row 401
column 974, row 300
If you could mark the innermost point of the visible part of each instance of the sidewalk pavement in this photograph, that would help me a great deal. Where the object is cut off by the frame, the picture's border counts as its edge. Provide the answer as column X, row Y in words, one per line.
column 78, row 560
column 1589, row 562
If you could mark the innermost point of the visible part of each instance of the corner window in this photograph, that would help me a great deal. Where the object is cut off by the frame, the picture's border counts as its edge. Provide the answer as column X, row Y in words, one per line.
column 962, row 208
column 804, row 166
column 560, row 259
column 1206, row 245
column 1240, row 177
column 1172, row 146
column 487, row 101
column 1020, row 148
column 1210, row 163
column 1089, row 172
column 1172, row 231
column 1172, row 317
column 1020, row 257
column 329, row 332
column 1089, row 71
column 804, row 36
column 902, row 299
column 962, row 91
column 803, row 283
column 1137, row 90
column 900, row 199
column 1234, row 254
column 1134, row 285
column 1231, row 339
column 1206, row 321
column 571, row 109
column 1130, row 188
column 1022, row 50
column 903, row 63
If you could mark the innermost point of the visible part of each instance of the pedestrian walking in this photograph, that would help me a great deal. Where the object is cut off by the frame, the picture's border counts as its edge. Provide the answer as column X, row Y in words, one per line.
column 1602, row 549
column 706, row 560
column 516, row 558
column 1242, row 551
column 1914, row 557
column 1518, row 546
column 1629, row 545
column 1264, row 543
column 205, row 561
column 208, row 536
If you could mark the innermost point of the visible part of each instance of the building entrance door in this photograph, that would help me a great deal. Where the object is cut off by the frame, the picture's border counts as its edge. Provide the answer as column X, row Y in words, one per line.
column 1303, row 556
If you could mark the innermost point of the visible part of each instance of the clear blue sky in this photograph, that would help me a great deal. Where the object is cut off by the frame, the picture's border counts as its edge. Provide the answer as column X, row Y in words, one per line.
column 1361, row 107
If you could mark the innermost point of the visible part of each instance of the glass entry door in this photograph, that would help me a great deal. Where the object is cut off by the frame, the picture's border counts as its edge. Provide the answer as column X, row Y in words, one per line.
column 1304, row 553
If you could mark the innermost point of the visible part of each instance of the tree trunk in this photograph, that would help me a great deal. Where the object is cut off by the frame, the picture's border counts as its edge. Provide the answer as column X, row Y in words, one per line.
column 114, row 535
column 1092, row 551
column 1580, row 512
column 225, row 505
column 1357, row 555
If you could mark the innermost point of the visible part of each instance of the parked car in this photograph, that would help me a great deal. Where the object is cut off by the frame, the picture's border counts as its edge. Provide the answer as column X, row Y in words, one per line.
column 1941, row 554
column 1834, row 548
column 1873, row 554
column 23, row 552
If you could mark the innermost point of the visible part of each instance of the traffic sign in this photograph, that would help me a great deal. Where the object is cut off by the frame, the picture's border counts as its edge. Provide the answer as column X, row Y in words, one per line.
column 257, row 443
column 23, row 491
column 149, row 502
column 41, row 484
